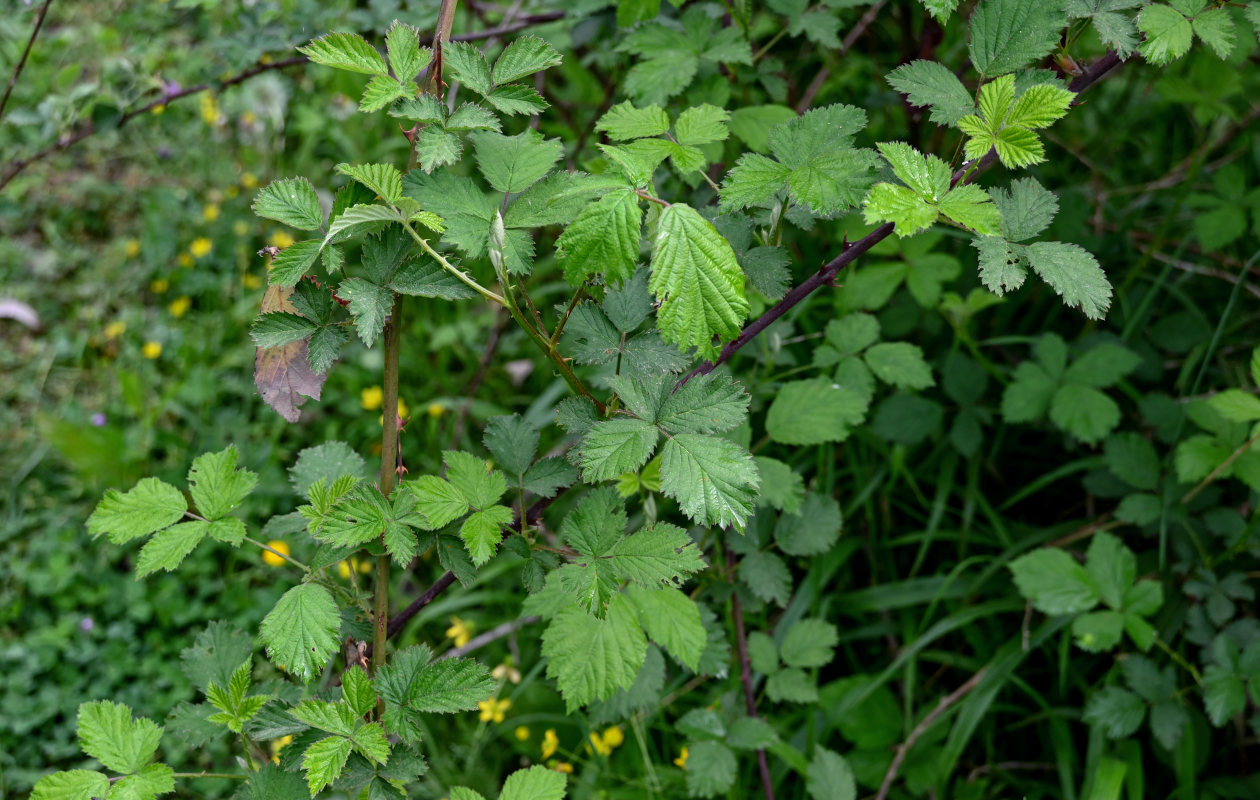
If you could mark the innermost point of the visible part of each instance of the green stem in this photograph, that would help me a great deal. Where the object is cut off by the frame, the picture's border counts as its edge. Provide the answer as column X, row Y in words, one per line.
column 225, row 775
column 276, row 552
column 454, row 270
column 555, row 337
column 1177, row 657
column 388, row 477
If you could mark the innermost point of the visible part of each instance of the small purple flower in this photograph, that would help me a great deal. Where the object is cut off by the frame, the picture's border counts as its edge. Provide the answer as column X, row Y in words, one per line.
column 86, row 624
column 98, row 420
column 171, row 88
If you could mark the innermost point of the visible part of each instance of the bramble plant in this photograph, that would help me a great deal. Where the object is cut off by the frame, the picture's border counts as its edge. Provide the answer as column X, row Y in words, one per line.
column 644, row 524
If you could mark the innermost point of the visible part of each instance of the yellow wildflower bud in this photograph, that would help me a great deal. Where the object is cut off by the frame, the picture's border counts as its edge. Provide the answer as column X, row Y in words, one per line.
column 160, row 108
column 522, row 733
column 460, row 632
column 201, row 247
column 436, row 409
column 152, row 350
column 371, row 398
column 270, row 558
column 115, row 329
column 248, row 180
column 240, row 227
column 681, row 761
column 132, row 248
column 210, row 212
column 159, row 286
column 549, row 743
column 251, row 281
column 280, row 239
column 493, row 710
column 564, row 766
column 179, row 306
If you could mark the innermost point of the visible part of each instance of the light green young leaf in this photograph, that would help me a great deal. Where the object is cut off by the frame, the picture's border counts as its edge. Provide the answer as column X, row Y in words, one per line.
column 515, row 99
column 482, row 532
column 1053, row 582
column 437, row 500
column 696, row 279
column 384, row 179
column 931, row 84
column 357, row 691
column 467, row 63
column 1009, row 34
column 672, row 620
column 623, row 122
column 382, row 91
column 1215, row 28
column 300, row 633
column 406, row 56
column 969, row 206
column 900, row 364
column 713, row 479
column 703, row 124
column 324, row 761
column 170, row 546
column 347, row 51
column 525, row 56
column 481, row 485
column 753, row 181
column 591, row 658
column 908, row 213
column 291, row 201
column 659, row 555
column 108, row 733
column 370, row 742
column 151, row 781
column 216, row 485
column 603, row 238
column 536, row 783
column 149, row 506
column 74, row 784
column 927, row 176
column 513, row 163
column 1168, row 34
column 336, row 718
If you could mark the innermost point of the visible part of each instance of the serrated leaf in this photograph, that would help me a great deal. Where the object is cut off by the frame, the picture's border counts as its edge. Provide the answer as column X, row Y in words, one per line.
column 1167, row 34
column 74, row 784
column 466, row 63
column 108, row 733
column 705, row 404
column 383, row 179
column 536, row 783
column 426, row 108
column 830, row 777
column 216, row 485
column 616, row 446
column 524, row 56
column 815, row 411
column 406, row 56
column 472, row 117
column 603, row 238
column 1027, row 208
column 1074, row 274
column 659, row 555
column 1215, row 28
column 812, row 530
column 1117, row 711
column 149, row 782
column 713, row 479
column 702, row 124
column 290, row 264
column 365, row 217
column 482, row 532
column 481, row 485
column 424, row 277
column 711, row 769
column 1053, row 582
column 300, row 633
column 169, row 547
column 348, row 51
column 512, row 441
column 370, row 305
column 516, row 99
column 672, row 620
column 437, row 500
column 931, row 84
column 280, row 328
column 436, row 147
column 623, row 122
column 809, row 643
column 149, row 506
column 969, row 206
column 513, row 163
column 900, row 364
column 324, row 761
column 382, row 91
column 791, row 685
column 291, row 201
column 1009, row 34
column 591, row 658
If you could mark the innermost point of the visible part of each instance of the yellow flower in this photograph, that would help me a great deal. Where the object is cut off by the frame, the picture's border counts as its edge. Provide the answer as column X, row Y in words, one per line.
column 179, row 306
column 606, row 741
column 209, row 109
column 159, row 286
column 563, row 766
column 460, row 631
column 249, row 117
column 251, row 281
column 371, row 398
column 280, row 239
column 185, row 260
column 152, row 350
column 201, row 247
column 403, row 411
column 681, row 761
column 240, row 227
column 132, row 248
column 436, row 409
column 277, row 746
column 270, row 558
column 522, row 733
column 115, row 329
column 158, row 109
column 549, row 743
column 210, row 212
column 494, row 710
column 506, row 672
column 248, row 180
column 362, row 567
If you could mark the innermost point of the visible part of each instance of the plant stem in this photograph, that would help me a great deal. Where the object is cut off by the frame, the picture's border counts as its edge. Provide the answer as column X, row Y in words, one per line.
column 276, row 552
column 745, row 677
column 451, row 268
column 388, row 478
column 555, row 337
column 225, row 775
column 17, row 70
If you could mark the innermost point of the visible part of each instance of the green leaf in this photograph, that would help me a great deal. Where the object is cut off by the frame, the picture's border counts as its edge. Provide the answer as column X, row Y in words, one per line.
column 472, row 117
column 751, row 733
column 932, row 84
column 365, row 217
column 370, row 305
column 1167, row 34
column 1113, row 568
column 812, row 530
column 482, row 532
column 753, row 181
column 512, row 441
column 290, row 264
column 168, row 548
column 535, row 783
column 1074, row 274
column 347, row 51
column 1086, row 413
column 525, row 56
column 1216, row 29
column 969, row 206
column 1132, row 459
column 279, row 328
column 713, row 479
column 703, row 124
column 1224, row 694
column 1098, row 631
column 435, row 147
column 781, row 487
column 357, row 691
column 151, row 781
column 1053, row 582
column 814, row 411
column 711, row 769
column 623, row 122
column 382, row 91
column 603, row 238
column 900, row 206
column 658, row 555
column 1039, row 106
column 672, row 620
column 809, row 643
column 216, row 485
column 383, row 179
column 424, row 277
column 1117, row 711
column 336, row 718
column 406, row 56
column 1236, row 405
column 696, row 280
column 149, row 506
column 767, row 576
column 74, row 784
column 591, row 658
column 927, row 176
column 481, row 485
column 1114, row 29
column 291, row 201
column 516, row 99
column 1027, row 209
column 324, row 761
column 300, row 633
column 791, row 686
column 900, row 364
column 108, row 733
column 513, row 163
column 467, row 63
column 370, row 742
column 437, row 500
column 1009, row 34
column 763, row 653
column 830, row 777
column 706, row 404
column 615, row 447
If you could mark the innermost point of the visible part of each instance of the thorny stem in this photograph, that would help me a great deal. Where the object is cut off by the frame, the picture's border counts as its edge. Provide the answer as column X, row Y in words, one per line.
column 564, row 319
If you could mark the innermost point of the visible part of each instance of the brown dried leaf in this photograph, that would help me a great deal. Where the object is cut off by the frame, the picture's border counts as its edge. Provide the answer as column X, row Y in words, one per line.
column 283, row 375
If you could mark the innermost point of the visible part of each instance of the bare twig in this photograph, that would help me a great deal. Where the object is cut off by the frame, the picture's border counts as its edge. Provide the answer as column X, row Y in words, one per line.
column 21, row 64
column 945, row 703
column 745, row 677
column 811, row 91
column 493, row 635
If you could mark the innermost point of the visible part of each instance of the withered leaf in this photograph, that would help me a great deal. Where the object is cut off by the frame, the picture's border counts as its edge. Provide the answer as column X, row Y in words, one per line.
column 283, row 375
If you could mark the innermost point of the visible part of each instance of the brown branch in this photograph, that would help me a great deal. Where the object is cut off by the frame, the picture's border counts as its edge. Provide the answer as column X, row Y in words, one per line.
column 860, row 28
column 946, row 702
column 69, row 139
column 851, row 250
column 21, row 64
column 745, row 677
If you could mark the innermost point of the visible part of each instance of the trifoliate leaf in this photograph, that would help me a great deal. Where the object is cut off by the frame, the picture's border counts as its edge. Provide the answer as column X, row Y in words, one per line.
column 466, row 62
column 513, row 163
column 932, row 84
column 149, row 506
column 1053, row 582
column 291, row 201
column 481, row 485
column 348, row 51
column 696, row 280
column 712, row 479
column 591, row 658
column 603, row 238
column 524, row 56
column 1009, row 34
column 300, row 633
column 108, row 733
